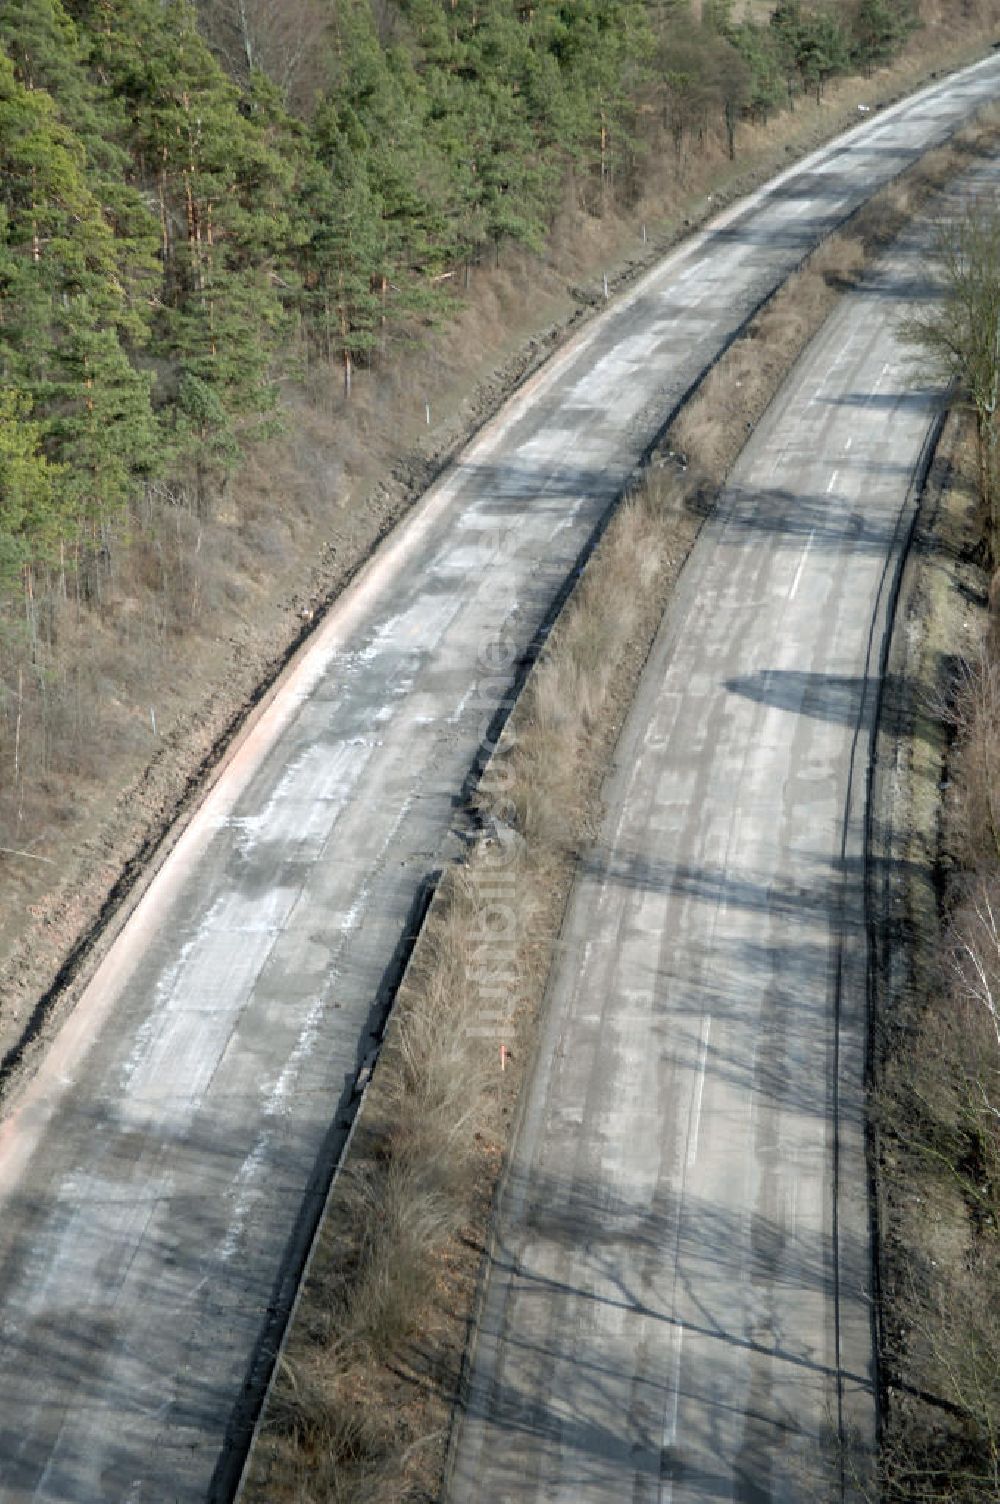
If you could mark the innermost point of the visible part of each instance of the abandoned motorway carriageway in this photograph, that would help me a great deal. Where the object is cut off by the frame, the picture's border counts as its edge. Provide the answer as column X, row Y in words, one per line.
column 158, row 1173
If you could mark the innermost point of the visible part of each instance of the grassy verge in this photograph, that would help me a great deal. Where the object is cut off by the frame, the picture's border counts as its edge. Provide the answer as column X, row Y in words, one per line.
column 362, row 1403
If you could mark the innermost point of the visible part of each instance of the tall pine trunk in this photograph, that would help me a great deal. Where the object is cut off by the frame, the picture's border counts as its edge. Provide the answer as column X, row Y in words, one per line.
column 344, row 340
column 604, row 158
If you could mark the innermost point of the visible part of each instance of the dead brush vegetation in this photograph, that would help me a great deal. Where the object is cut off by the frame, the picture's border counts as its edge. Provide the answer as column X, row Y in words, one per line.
column 941, row 1116
column 936, row 1105
column 544, row 782
column 361, row 1406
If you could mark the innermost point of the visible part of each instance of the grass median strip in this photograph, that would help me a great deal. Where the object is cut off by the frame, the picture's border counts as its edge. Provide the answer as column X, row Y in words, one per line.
column 362, row 1402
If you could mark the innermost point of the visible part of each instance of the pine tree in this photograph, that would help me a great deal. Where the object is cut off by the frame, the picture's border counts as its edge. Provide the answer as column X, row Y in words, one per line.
column 822, row 50
column 878, row 29
column 475, row 71
column 28, row 519
column 102, row 429
column 346, row 243
column 223, row 197
column 44, row 44
column 383, row 110
column 64, row 311
column 766, row 87
column 601, row 46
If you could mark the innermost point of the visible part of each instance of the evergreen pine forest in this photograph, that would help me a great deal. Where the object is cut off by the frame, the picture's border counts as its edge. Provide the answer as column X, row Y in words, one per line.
column 201, row 202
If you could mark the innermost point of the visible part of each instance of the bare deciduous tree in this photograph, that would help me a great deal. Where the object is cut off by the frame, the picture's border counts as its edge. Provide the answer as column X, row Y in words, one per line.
column 282, row 41
column 960, row 334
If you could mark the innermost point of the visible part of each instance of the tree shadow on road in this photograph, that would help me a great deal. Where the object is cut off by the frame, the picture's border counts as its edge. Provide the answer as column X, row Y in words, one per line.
column 618, row 1312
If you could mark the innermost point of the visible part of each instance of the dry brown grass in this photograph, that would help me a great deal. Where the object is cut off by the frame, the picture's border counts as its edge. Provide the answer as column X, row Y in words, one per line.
column 545, row 773
column 336, row 1429
column 713, row 427
column 940, row 1113
column 974, row 713
column 937, row 1103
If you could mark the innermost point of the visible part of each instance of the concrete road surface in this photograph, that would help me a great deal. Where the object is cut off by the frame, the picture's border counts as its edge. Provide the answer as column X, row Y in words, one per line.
column 679, row 1307
column 159, row 1176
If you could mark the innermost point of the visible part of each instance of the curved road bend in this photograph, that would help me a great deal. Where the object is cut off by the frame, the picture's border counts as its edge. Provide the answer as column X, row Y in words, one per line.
column 153, row 1175
column 679, row 1306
